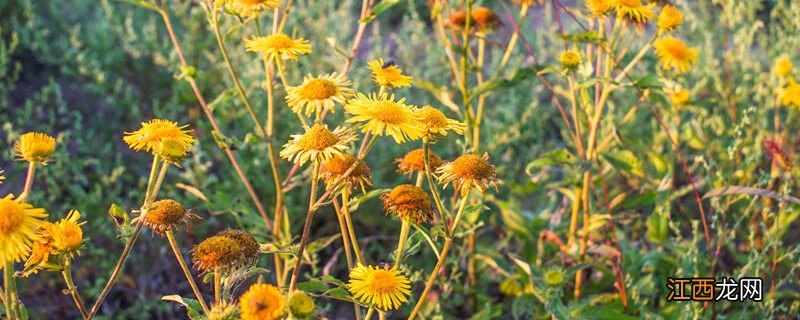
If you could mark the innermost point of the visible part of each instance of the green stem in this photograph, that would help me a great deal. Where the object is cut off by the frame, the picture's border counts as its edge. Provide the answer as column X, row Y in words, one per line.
column 461, row 207
column 73, row 290
column 174, row 245
column 217, row 286
column 403, row 235
column 28, row 182
column 426, row 144
column 10, row 290
column 306, row 227
column 350, row 230
column 369, row 312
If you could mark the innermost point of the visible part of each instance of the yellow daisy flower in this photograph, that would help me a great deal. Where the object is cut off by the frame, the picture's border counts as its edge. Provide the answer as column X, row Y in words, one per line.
column 414, row 161
column 261, row 302
column 388, row 75
column 783, row 67
column 468, row 172
column 163, row 138
column 599, row 8
column 791, row 94
column 386, row 289
column 35, row 147
column 674, row 54
column 435, row 123
column 382, row 115
column 335, row 168
column 409, row 202
column 634, row 10
column 679, row 97
column 570, row 60
column 317, row 144
column 66, row 233
column 316, row 94
column 669, row 19
column 251, row 8
column 278, row 46
column 19, row 223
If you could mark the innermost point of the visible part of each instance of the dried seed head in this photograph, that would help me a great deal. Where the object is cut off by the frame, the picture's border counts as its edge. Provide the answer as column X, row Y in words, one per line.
column 409, row 202
column 216, row 252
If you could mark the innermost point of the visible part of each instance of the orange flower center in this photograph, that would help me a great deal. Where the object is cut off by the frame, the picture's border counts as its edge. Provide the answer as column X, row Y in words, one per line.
column 472, row 167
column 382, row 281
column 319, row 89
column 11, row 216
column 317, row 138
column 389, row 112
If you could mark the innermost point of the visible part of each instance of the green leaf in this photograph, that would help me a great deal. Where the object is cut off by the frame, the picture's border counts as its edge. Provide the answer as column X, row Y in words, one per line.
column 657, row 227
column 339, row 293
column 626, row 161
column 591, row 81
column 378, row 9
column 560, row 157
column 313, row 286
column 192, row 306
column 356, row 201
column 649, row 81
column 524, row 307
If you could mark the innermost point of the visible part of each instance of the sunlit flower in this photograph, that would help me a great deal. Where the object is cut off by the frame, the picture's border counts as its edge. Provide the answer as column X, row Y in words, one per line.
column 485, row 19
column 554, row 277
column 457, row 20
column 388, row 74
column 384, row 116
column 247, row 244
column 35, row 147
column 386, row 289
column 679, row 97
column 251, row 8
column 674, row 54
column 783, row 67
column 435, row 123
column 261, row 302
column 599, row 8
column 409, row 202
column 19, row 223
column 167, row 214
column 336, row 167
column 317, row 144
column 301, row 306
column 414, row 161
column 40, row 253
column 634, row 10
column 570, row 59
column 278, row 46
column 216, row 252
column 163, row 138
column 669, row 19
column 316, row 94
column 468, row 172
column 66, row 233
column 790, row 95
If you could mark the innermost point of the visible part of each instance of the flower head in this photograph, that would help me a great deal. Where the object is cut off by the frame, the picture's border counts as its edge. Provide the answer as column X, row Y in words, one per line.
column 790, row 95
column 783, row 67
column 261, row 302
column 66, row 233
column 19, row 223
column 599, row 8
column 674, row 54
column 669, row 19
column 388, row 74
column 317, row 144
column 510, row 287
column 216, row 252
column 457, row 20
column 679, row 97
column 251, row 8
column 247, row 243
column 634, row 10
column 386, row 289
column 415, row 161
column 554, row 277
column 382, row 115
column 469, row 171
column 316, row 94
column 570, row 59
column 409, row 202
column 223, row 311
column 485, row 19
column 167, row 214
column 300, row 305
column 435, row 123
column 35, row 147
column 336, row 167
column 278, row 46
column 162, row 138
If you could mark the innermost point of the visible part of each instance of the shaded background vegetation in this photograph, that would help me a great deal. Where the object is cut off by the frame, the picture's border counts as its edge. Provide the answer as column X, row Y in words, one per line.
column 88, row 70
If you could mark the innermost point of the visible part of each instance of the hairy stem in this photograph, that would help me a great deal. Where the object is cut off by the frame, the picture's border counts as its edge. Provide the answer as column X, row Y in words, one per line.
column 73, row 290
column 185, row 268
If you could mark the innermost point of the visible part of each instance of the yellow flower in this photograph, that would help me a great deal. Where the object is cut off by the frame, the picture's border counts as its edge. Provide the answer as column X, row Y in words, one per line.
column 435, row 123
column 634, row 10
column 66, row 233
column 336, row 167
column 35, row 147
column 554, row 277
column 162, row 138
column 510, row 287
column 570, row 59
column 251, row 8
column 386, row 289
column 301, row 305
column 469, row 171
column 485, row 19
column 790, row 94
column 783, row 67
column 261, row 302
column 529, row 2
column 316, row 94
column 19, row 223
column 167, row 214
column 383, row 115
column 40, row 252
column 669, row 19
column 409, row 203
column 388, row 75
column 278, row 46
column 317, row 144
column 599, row 8
column 415, row 161
column 679, row 97
column 216, row 252
column 674, row 54
column 457, row 20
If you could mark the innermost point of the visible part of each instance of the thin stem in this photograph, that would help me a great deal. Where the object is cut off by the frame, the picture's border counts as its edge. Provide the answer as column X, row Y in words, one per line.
column 403, row 235
column 185, row 268
column 460, row 213
column 523, row 11
column 587, row 179
column 359, row 34
column 217, row 285
column 369, row 312
column 159, row 180
column 306, row 227
column 28, row 181
column 349, row 221
column 426, row 145
column 279, row 65
column 73, row 290
column 10, row 289
column 476, row 135
column 434, row 274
